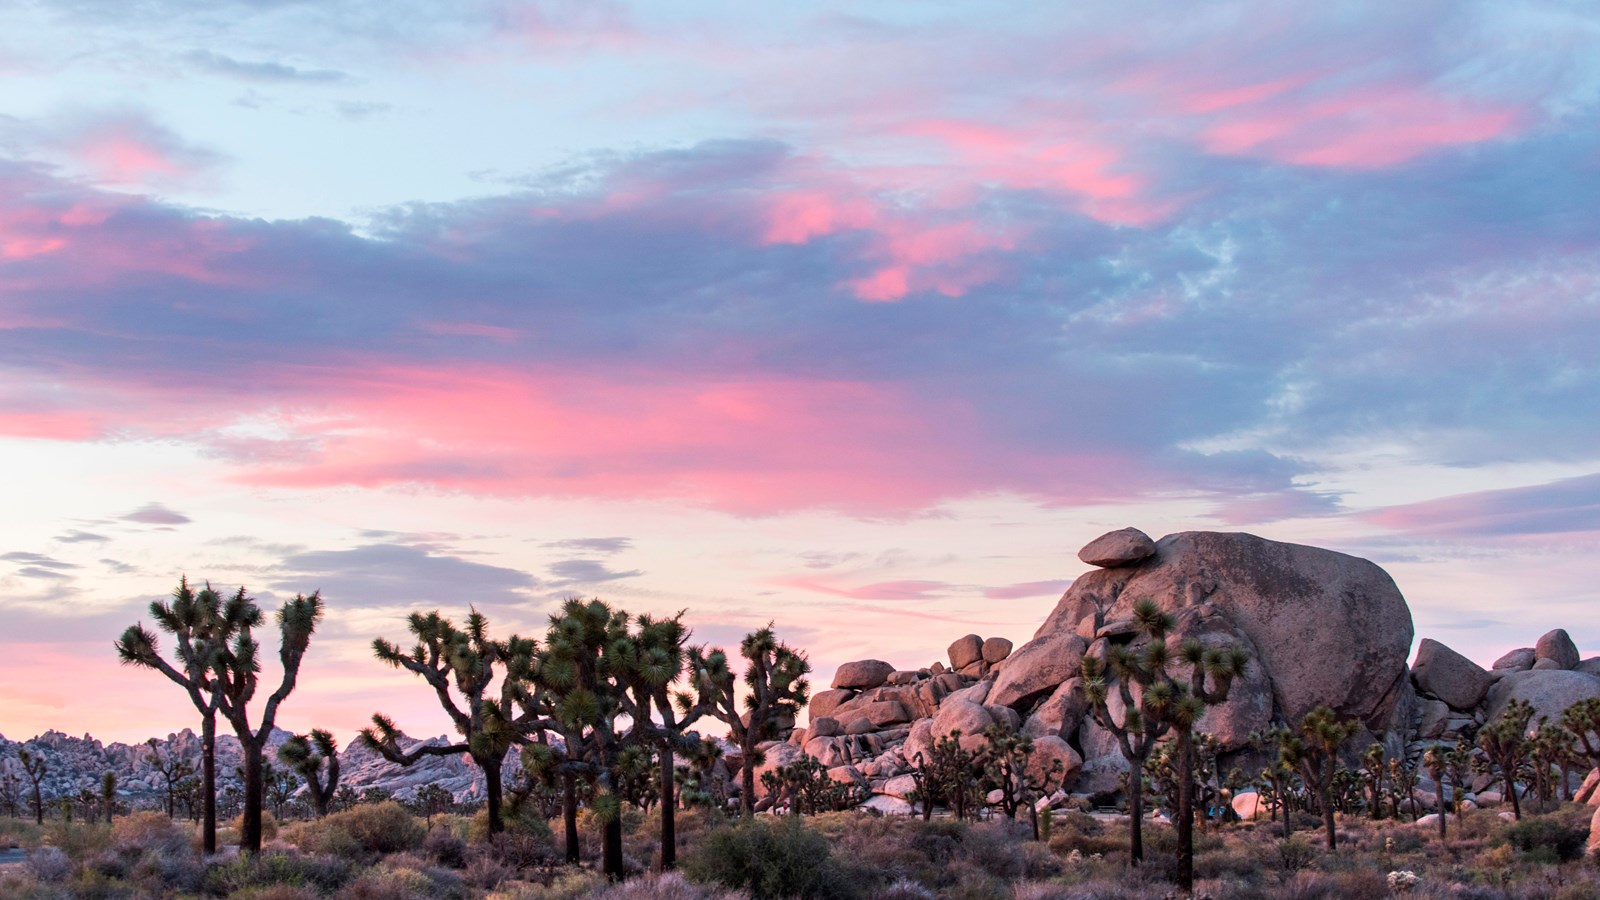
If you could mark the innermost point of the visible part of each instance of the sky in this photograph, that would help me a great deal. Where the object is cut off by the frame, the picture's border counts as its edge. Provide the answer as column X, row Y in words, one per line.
column 856, row 318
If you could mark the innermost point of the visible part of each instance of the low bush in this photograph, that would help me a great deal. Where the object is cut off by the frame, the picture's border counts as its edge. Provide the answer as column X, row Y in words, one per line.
column 79, row 840
column 667, row 886
column 1547, row 839
column 445, row 848
column 360, row 833
column 771, row 860
column 325, row 874
column 50, row 865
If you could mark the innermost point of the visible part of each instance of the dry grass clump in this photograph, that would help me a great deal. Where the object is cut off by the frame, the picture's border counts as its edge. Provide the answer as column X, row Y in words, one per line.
column 360, row 833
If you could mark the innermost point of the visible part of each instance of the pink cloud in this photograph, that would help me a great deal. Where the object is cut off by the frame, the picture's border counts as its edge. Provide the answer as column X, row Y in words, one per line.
column 882, row 590
column 129, row 150
column 1028, row 589
column 1373, row 126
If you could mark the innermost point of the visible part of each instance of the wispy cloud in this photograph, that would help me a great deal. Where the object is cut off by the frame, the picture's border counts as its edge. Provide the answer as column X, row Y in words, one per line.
column 262, row 71
column 156, row 514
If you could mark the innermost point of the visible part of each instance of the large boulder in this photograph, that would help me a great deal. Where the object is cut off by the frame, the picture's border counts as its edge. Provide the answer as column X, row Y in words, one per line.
column 966, row 650
column 1327, row 628
column 825, row 702
column 961, row 715
column 996, row 649
column 1550, row 691
column 1054, row 762
column 1060, row 713
column 777, row 754
column 1518, row 660
column 1037, row 668
column 1557, row 647
column 1118, row 548
column 862, row 674
column 1449, row 676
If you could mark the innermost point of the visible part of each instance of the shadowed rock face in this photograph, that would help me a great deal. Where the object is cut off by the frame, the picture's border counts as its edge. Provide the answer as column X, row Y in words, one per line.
column 1326, row 627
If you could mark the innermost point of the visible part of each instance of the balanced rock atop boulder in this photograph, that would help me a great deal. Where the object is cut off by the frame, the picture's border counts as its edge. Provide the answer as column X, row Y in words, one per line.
column 862, row 674
column 1118, row 548
column 1448, row 675
column 1326, row 628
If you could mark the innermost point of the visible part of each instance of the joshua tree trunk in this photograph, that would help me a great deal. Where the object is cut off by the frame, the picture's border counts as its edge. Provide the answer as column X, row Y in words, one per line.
column 747, row 774
column 1442, row 816
column 250, row 828
column 569, row 816
column 1511, row 791
column 669, row 811
column 1185, row 815
column 1327, row 808
column 208, row 745
column 1136, row 817
column 491, row 777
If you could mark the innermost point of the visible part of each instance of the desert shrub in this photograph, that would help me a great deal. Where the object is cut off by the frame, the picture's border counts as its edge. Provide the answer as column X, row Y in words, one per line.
column 1547, row 839
column 995, row 848
column 79, row 840
column 522, row 850
column 361, row 832
column 165, row 871
column 1039, row 862
column 1296, row 852
column 19, row 833
column 277, row 892
column 486, row 871
column 445, row 848
column 50, row 865
column 904, row 889
column 269, row 827
column 324, row 873
column 150, row 831
column 524, row 820
column 392, row 884
column 666, row 886
column 974, row 884
column 770, row 860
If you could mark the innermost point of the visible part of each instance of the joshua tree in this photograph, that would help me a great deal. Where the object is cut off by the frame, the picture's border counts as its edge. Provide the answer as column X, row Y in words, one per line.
column 108, row 794
column 586, row 650
column 316, row 758
column 948, row 774
column 1164, row 704
column 238, row 671
column 173, row 769
column 11, row 794
column 1437, row 762
column 1402, row 780
column 1322, row 734
column 431, row 800
column 1583, row 720
column 1505, row 743
column 1007, row 766
column 447, row 657
column 1459, row 760
column 1549, row 749
column 1277, row 779
column 203, row 626
column 775, row 690
column 1372, row 765
column 33, row 766
column 652, row 660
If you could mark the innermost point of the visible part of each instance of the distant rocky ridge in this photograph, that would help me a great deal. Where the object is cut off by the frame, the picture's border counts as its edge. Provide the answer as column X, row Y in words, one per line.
column 74, row 764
